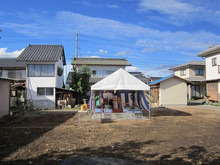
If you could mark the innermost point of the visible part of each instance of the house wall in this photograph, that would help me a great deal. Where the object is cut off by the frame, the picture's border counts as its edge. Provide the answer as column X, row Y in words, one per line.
column 4, row 97
column 212, row 71
column 100, row 67
column 190, row 72
column 47, row 102
column 43, row 102
column 59, row 79
column 173, row 92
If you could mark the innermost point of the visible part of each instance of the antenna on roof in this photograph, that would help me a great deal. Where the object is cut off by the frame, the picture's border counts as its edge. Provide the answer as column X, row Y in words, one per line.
column 212, row 45
column 76, row 45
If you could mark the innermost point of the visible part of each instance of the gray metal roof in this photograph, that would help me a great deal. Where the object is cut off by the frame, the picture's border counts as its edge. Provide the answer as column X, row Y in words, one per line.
column 140, row 76
column 188, row 64
column 209, row 51
column 101, row 61
column 42, row 53
column 11, row 63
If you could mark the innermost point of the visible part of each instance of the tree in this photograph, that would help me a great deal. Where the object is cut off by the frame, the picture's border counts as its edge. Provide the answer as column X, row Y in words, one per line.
column 80, row 81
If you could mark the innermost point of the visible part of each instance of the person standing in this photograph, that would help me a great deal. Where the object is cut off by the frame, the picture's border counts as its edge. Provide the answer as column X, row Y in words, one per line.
column 110, row 96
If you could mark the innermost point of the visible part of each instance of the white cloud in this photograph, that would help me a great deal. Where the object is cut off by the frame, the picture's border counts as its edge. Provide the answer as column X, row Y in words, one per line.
column 101, row 51
column 85, row 3
column 171, row 7
column 5, row 54
column 132, row 69
column 145, row 50
column 178, row 12
column 93, row 57
column 124, row 53
column 65, row 23
column 114, row 6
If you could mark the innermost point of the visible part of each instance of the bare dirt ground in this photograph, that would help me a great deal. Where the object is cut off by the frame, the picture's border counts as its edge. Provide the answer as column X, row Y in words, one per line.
column 182, row 135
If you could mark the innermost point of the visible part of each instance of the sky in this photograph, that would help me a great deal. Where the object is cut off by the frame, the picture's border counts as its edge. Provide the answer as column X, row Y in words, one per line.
column 153, row 35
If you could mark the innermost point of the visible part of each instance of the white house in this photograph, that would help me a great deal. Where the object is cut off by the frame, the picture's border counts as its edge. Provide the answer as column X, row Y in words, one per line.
column 44, row 65
column 212, row 62
column 100, row 67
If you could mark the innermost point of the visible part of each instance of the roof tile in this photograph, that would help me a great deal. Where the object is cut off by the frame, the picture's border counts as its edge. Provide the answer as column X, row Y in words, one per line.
column 100, row 61
column 48, row 53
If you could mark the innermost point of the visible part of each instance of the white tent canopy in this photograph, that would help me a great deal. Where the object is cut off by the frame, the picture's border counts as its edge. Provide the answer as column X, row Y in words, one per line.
column 120, row 80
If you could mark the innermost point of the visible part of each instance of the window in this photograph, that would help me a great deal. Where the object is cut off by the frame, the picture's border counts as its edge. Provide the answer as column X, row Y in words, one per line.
column 40, row 91
column 13, row 74
column 214, row 61
column 59, row 71
column 49, row 91
column 199, row 72
column 195, row 91
column 45, row 91
column 101, row 73
column 108, row 72
column 219, row 69
column 183, row 72
column 94, row 72
column 41, row 70
column 38, row 70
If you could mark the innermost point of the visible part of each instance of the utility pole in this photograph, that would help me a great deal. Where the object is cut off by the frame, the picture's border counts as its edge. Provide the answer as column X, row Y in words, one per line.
column 0, row 31
column 76, row 45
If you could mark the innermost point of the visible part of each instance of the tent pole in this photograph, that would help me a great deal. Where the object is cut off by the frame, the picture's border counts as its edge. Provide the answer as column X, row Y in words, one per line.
column 92, row 101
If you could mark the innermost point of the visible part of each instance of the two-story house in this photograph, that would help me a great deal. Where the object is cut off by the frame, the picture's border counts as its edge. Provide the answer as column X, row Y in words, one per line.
column 140, row 76
column 100, row 67
column 193, row 71
column 212, row 62
column 11, row 69
column 44, row 66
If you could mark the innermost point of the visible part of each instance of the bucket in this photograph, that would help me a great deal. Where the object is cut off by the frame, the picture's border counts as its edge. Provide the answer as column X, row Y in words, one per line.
column 83, row 107
column 86, row 105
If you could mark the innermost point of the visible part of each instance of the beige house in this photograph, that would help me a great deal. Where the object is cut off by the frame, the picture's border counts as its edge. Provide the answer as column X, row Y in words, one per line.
column 193, row 71
column 169, row 91
column 4, row 96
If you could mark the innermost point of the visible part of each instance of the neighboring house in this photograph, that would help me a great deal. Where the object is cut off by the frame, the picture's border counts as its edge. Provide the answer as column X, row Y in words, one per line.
column 212, row 62
column 169, row 91
column 44, row 65
column 100, row 67
column 193, row 71
column 4, row 96
column 151, row 79
column 12, row 69
column 140, row 76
